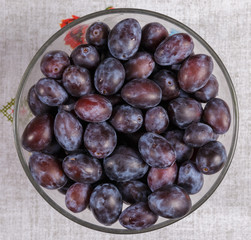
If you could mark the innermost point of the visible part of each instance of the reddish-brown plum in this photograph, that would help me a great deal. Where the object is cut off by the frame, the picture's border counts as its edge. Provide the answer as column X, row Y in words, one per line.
column 209, row 91
column 195, row 72
column 54, row 63
column 78, row 196
column 168, row 84
column 47, row 171
column 126, row 119
column 217, row 115
column 141, row 93
column 198, row 134
column 156, row 151
column 152, row 35
column 106, row 203
column 50, row 92
column 172, row 202
column 85, row 55
column 137, row 217
column 36, row 106
column 124, row 39
column 156, row 120
column 68, row 130
column 77, row 81
column 140, row 65
column 174, row 49
column 100, row 139
column 97, row 34
column 211, row 157
column 184, row 111
column 161, row 177
column 38, row 134
column 134, row 191
column 121, row 168
column 82, row 168
column 109, row 76
column 93, row 108
column 190, row 178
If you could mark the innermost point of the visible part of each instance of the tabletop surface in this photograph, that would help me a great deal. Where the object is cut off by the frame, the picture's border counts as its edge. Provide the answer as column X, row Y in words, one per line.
column 225, row 25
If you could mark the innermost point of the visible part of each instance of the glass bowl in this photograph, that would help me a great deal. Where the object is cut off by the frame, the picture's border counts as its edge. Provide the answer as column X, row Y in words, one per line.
column 22, row 114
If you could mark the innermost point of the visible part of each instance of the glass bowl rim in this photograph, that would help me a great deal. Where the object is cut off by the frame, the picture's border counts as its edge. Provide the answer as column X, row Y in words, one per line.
column 235, row 118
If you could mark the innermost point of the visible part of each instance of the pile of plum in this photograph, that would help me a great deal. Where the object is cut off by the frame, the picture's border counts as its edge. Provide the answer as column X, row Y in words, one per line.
column 121, row 120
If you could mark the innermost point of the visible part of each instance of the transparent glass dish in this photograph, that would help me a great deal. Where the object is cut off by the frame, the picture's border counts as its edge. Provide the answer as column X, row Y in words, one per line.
column 22, row 114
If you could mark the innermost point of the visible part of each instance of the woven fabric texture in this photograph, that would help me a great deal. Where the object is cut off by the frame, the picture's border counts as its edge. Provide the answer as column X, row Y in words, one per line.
column 26, row 25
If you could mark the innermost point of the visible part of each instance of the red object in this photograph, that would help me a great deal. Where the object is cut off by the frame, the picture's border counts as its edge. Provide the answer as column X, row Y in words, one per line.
column 76, row 35
column 109, row 8
column 64, row 22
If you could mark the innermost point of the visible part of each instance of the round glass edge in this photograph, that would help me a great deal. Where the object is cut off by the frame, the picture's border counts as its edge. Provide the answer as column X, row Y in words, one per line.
column 235, row 119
